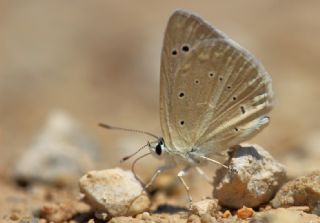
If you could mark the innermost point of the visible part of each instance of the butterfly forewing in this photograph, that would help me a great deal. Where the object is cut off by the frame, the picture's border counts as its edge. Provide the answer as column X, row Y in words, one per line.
column 183, row 30
column 213, row 93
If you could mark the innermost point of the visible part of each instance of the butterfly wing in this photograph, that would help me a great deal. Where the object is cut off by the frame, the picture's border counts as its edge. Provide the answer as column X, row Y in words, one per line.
column 183, row 30
column 239, row 100
column 213, row 93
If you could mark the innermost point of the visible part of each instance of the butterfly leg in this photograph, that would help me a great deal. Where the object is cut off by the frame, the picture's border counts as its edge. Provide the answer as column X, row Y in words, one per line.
column 158, row 171
column 180, row 175
column 204, row 175
column 214, row 161
column 229, row 168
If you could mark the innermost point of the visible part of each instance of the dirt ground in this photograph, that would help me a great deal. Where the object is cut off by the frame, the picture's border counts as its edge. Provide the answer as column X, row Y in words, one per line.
column 98, row 61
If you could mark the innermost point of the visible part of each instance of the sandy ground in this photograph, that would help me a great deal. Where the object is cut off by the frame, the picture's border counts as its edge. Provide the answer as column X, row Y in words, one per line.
column 99, row 62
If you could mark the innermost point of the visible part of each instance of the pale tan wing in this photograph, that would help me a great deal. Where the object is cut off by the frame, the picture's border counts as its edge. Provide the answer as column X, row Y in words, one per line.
column 219, row 98
column 240, row 99
column 184, row 30
column 214, row 94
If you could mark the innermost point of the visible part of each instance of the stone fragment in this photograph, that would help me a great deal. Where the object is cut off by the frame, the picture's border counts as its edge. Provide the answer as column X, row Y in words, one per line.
column 245, row 213
column 114, row 191
column 206, row 206
column 256, row 178
column 226, row 214
column 60, row 154
column 206, row 218
column 298, row 192
column 282, row 215
column 125, row 220
column 58, row 212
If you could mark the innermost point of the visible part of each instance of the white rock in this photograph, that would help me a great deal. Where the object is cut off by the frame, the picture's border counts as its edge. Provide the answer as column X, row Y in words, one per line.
column 206, row 206
column 114, row 191
column 60, row 154
column 258, row 176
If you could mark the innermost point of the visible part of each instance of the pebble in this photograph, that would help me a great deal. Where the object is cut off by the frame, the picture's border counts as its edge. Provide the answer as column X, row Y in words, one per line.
column 256, row 179
column 101, row 215
column 245, row 213
column 226, row 214
column 206, row 218
column 60, row 154
column 145, row 216
column 206, row 206
column 125, row 220
column 14, row 217
column 299, row 192
column 282, row 215
column 57, row 212
column 114, row 191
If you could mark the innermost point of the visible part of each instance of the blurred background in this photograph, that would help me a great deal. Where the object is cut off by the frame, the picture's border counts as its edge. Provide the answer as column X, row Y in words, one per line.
column 99, row 61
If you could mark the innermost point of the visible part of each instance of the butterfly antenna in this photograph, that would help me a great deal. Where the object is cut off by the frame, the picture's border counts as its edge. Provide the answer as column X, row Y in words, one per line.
column 128, row 157
column 127, row 130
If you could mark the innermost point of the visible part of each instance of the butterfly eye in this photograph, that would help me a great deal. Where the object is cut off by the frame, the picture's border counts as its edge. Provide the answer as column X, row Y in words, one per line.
column 181, row 123
column 159, row 149
column 196, row 81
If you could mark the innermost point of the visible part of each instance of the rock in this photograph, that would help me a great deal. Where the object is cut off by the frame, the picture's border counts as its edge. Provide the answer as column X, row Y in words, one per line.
column 114, row 191
column 126, row 220
column 206, row 206
column 226, row 214
column 245, row 213
column 282, row 215
column 300, row 208
column 206, row 218
column 299, row 192
column 163, row 217
column 145, row 216
column 176, row 217
column 258, row 176
column 60, row 154
column 14, row 217
column 101, row 215
column 139, row 205
column 58, row 212
column 193, row 219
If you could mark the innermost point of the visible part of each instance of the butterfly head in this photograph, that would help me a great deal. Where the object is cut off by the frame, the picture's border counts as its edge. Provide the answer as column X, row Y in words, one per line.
column 158, row 148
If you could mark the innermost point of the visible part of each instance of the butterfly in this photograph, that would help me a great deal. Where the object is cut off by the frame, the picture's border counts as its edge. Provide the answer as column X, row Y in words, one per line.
column 214, row 94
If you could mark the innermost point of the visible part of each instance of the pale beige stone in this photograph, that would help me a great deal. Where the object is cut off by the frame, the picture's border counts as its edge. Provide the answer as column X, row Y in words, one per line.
column 114, row 191
column 256, row 179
